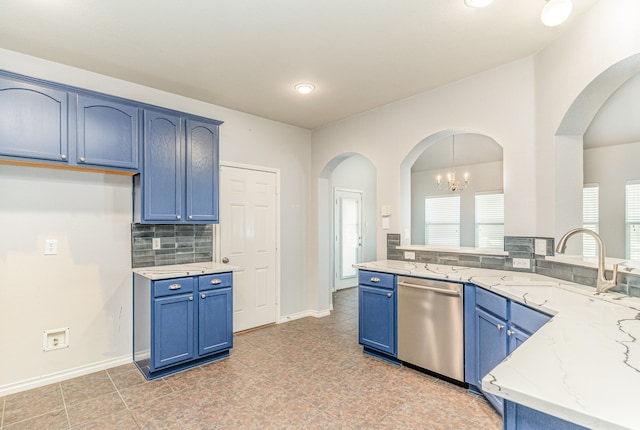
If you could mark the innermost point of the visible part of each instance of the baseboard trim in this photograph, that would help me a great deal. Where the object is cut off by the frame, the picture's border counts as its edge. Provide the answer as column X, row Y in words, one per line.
column 52, row 378
column 303, row 314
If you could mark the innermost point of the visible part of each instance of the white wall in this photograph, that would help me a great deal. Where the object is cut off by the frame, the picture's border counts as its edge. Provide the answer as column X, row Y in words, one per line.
column 86, row 286
column 244, row 139
column 483, row 177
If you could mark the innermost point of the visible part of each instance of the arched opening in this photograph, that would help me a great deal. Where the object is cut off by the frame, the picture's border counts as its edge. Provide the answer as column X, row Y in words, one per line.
column 346, row 183
column 476, row 154
column 597, row 145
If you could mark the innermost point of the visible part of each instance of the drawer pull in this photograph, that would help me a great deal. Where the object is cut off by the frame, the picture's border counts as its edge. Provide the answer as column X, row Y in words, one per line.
column 216, row 281
column 499, row 326
column 375, row 279
column 175, row 286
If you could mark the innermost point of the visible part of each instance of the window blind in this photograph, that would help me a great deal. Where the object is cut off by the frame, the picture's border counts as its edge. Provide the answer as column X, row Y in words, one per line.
column 442, row 220
column 490, row 221
column 590, row 218
column 632, row 215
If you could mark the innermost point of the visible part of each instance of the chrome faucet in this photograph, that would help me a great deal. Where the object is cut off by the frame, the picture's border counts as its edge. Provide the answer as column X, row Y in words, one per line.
column 603, row 284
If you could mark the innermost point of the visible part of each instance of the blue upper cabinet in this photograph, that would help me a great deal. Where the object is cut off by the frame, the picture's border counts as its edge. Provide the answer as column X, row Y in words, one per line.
column 162, row 175
column 179, row 181
column 202, row 171
column 107, row 133
column 33, row 121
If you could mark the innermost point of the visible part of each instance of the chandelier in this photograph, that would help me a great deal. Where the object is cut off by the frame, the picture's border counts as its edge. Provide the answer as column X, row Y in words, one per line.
column 453, row 184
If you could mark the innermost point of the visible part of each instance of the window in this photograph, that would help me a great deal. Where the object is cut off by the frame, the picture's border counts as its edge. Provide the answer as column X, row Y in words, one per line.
column 632, row 215
column 590, row 218
column 490, row 221
column 442, row 221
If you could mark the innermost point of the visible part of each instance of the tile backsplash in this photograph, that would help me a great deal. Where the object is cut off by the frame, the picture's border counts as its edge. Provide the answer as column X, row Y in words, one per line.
column 188, row 243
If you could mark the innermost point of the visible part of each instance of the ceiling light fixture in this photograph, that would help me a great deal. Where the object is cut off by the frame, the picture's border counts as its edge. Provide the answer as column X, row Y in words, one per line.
column 478, row 3
column 555, row 12
column 453, row 184
column 304, row 88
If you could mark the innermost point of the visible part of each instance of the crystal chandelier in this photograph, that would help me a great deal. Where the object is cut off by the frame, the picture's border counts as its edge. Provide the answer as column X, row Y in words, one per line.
column 453, row 184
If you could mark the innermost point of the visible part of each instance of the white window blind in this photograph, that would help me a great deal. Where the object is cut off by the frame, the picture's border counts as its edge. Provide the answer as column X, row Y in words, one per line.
column 442, row 220
column 590, row 218
column 490, row 221
column 632, row 215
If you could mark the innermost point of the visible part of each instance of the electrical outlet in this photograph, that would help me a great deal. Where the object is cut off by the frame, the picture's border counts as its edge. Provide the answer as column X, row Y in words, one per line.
column 50, row 247
column 521, row 263
column 409, row 255
column 155, row 243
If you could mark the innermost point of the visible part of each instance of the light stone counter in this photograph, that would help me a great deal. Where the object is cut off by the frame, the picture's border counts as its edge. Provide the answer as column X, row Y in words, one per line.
column 156, row 273
column 583, row 365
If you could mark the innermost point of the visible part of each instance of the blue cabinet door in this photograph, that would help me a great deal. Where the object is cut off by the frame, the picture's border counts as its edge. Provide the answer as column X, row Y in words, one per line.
column 33, row 121
column 162, row 170
column 201, row 164
column 173, row 330
column 215, row 320
column 377, row 319
column 491, row 349
column 107, row 133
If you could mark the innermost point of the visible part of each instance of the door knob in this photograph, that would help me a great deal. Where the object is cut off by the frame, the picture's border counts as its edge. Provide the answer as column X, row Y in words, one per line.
column 225, row 260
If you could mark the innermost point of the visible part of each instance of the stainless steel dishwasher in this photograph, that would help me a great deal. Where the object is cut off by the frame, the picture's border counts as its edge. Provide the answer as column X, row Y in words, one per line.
column 431, row 325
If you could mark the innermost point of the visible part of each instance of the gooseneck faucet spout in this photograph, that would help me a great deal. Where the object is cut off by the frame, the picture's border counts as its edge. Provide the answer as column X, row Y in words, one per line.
column 603, row 284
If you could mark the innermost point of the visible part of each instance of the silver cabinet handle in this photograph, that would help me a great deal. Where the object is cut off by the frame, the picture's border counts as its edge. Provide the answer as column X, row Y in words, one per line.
column 435, row 290
column 82, row 159
column 191, row 298
column 499, row 326
column 204, row 296
column 389, row 295
column 63, row 156
column 216, row 281
column 510, row 332
column 175, row 286
column 178, row 217
column 375, row 279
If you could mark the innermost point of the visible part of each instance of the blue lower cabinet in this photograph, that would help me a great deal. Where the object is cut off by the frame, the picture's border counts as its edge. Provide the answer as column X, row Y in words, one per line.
column 173, row 329
column 378, row 322
column 518, row 417
column 215, row 313
column 491, row 347
column 182, row 322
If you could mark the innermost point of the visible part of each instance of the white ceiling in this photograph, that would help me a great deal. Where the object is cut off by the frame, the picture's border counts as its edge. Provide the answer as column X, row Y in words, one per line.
column 470, row 149
column 247, row 54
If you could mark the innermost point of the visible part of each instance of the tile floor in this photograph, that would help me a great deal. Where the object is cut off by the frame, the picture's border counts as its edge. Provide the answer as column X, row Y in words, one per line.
column 305, row 374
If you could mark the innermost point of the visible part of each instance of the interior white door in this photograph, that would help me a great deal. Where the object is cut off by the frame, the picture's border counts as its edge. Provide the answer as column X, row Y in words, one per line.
column 248, row 240
column 348, row 237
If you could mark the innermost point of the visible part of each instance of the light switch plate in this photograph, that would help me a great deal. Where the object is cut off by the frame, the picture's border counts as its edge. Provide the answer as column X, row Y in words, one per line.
column 541, row 246
column 50, row 247
column 521, row 263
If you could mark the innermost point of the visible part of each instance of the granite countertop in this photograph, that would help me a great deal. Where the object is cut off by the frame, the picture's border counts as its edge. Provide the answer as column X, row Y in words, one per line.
column 156, row 273
column 583, row 365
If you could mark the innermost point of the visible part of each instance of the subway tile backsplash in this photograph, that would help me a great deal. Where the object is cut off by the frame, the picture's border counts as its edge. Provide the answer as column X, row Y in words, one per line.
column 523, row 248
column 188, row 243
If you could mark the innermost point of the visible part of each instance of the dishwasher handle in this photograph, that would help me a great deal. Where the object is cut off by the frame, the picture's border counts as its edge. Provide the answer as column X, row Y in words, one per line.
column 435, row 290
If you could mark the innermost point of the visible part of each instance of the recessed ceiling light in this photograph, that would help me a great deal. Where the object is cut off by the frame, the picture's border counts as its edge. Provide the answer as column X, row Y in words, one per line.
column 304, row 88
column 477, row 3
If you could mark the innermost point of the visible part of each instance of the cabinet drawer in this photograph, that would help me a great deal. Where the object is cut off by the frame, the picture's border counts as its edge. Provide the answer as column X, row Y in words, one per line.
column 491, row 302
column 376, row 279
column 527, row 319
column 217, row 280
column 169, row 287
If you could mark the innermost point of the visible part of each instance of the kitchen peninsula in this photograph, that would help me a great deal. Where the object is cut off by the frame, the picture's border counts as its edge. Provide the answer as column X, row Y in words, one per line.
column 582, row 366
